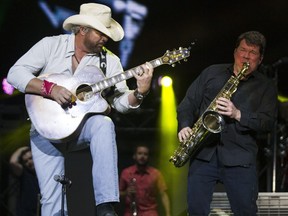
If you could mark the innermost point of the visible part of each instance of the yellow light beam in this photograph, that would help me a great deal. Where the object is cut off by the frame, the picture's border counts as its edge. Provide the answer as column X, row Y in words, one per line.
column 282, row 98
column 176, row 178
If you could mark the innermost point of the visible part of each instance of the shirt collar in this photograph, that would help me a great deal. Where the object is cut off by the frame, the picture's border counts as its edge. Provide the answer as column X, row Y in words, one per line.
column 253, row 74
column 146, row 170
column 70, row 45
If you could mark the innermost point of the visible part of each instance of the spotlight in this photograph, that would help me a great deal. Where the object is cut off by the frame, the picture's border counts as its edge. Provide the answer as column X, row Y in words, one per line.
column 282, row 98
column 7, row 88
column 165, row 81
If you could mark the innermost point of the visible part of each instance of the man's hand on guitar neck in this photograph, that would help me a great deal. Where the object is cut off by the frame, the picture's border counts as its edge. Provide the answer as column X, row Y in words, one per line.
column 144, row 78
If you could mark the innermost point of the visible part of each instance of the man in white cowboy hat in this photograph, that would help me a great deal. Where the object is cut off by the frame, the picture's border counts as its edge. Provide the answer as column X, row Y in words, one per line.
column 69, row 55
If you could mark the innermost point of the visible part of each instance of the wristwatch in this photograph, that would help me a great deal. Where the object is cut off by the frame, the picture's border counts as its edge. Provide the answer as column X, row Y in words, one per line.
column 138, row 95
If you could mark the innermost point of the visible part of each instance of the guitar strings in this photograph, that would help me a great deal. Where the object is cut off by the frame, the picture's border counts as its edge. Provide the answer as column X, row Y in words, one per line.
column 88, row 88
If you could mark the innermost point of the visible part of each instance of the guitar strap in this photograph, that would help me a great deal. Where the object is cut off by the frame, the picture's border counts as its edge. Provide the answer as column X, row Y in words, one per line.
column 103, row 65
column 103, row 61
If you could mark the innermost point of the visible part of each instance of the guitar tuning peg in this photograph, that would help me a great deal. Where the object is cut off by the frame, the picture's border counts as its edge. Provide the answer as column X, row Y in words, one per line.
column 173, row 65
column 185, row 60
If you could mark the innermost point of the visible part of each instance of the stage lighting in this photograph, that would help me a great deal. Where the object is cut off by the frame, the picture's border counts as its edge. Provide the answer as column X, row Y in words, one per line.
column 166, row 81
column 6, row 87
column 282, row 98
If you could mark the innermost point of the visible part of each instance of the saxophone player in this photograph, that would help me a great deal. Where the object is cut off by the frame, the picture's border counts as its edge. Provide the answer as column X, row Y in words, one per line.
column 229, row 156
column 141, row 185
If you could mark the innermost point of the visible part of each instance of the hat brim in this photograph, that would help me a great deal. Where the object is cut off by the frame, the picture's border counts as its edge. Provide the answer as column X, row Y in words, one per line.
column 115, row 31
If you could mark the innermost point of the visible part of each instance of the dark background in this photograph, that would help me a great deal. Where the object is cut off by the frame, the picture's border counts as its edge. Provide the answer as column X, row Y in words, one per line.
column 213, row 24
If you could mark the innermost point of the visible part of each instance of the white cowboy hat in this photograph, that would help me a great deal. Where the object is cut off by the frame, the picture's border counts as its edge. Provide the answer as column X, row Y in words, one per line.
column 96, row 16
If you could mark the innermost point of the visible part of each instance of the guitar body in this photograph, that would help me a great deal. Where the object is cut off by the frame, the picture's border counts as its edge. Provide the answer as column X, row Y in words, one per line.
column 60, row 124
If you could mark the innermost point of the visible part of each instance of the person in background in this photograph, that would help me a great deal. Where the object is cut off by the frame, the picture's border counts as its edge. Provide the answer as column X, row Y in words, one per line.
column 68, row 55
column 22, row 167
column 141, row 184
column 229, row 156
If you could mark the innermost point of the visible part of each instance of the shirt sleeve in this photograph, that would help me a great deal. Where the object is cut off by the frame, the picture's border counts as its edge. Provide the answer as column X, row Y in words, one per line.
column 119, row 100
column 122, row 181
column 28, row 66
column 161, row 184
column 188, row 109
column 262, row 120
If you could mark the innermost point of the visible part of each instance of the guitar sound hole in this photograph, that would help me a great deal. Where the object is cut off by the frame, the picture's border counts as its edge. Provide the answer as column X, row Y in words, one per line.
column 84, row 92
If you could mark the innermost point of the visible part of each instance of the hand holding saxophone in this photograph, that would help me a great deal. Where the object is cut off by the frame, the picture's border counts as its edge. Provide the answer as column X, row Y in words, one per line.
column 224, row 107
column 227, row 108
column 184, row 134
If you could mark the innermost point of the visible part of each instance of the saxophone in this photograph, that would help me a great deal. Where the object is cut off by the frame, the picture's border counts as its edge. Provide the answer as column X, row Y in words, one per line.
column 209, row 122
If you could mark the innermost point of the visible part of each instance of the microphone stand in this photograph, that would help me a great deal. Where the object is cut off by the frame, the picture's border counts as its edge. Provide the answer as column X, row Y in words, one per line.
column 133, row 198
column 64, row 181
column 272, row 72
column 274, row 139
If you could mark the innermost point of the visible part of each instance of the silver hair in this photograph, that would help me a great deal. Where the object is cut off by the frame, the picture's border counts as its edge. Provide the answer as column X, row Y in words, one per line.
column 76, row 28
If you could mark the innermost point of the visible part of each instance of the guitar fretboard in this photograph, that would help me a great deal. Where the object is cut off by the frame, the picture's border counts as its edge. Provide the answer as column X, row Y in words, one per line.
column 106, row 83
column 170, row 58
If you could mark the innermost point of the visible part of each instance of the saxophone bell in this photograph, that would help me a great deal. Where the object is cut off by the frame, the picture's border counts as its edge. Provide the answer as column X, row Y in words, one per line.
column 213, row 121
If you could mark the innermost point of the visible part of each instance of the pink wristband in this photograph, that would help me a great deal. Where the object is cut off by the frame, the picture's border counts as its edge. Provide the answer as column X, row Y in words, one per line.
column 47, row 87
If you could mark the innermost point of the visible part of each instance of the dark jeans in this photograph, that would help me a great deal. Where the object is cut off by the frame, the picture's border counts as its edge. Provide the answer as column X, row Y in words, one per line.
column 240, row 182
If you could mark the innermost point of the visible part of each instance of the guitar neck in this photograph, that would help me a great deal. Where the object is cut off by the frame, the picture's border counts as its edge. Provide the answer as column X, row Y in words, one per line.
column 111, row 81
column 170, row 57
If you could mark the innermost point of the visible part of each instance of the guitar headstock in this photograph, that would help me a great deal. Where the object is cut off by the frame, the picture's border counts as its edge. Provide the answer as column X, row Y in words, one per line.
column 171, row 57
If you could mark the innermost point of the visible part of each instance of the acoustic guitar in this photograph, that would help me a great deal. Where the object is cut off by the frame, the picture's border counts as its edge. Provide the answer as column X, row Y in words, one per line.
column 59, row 124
